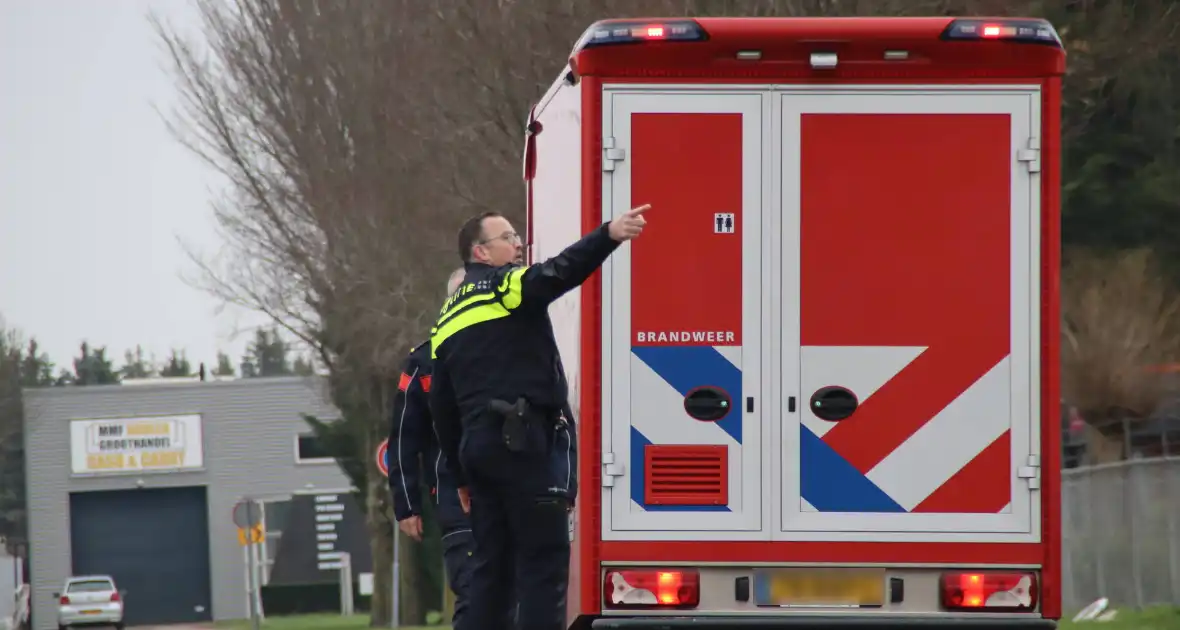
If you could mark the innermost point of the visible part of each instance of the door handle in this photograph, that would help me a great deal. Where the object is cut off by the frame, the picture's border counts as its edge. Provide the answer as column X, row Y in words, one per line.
column 833, row 403
column 708, row 404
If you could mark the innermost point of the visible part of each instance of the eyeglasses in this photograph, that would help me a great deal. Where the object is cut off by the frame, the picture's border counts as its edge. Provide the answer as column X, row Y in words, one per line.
column 511, row 237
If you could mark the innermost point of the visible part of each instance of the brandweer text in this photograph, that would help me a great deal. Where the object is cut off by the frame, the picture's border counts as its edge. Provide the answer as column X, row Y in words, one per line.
column 674, row 336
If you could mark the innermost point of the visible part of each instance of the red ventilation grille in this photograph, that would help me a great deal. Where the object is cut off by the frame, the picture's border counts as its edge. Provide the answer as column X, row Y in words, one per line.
column 685, row 475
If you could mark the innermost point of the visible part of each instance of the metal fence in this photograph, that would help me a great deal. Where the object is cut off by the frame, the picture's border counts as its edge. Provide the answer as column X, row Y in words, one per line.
column 1121, row 533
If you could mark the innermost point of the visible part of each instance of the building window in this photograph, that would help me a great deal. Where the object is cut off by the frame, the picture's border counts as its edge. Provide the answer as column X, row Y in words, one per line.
column 308, row 450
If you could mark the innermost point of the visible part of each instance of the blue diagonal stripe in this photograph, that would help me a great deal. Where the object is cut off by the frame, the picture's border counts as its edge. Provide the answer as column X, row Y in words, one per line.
column 639, row 443
column 689, row 367
column 829, row 483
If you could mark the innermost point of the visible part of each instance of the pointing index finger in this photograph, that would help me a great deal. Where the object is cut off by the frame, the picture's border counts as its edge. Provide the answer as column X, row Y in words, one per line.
column 640, row 210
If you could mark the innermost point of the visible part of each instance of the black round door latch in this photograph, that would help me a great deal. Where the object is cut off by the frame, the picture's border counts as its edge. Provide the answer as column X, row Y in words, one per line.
column 833, row 403
column 707, row 403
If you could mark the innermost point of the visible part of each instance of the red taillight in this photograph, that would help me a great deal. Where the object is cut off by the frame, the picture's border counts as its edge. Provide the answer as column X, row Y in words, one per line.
column 64, row 600
column 115, row 596
column 652, row 588
column 989, row 591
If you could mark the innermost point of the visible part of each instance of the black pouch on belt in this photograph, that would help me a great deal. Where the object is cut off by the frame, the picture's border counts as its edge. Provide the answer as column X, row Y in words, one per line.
column 517, row 423
column 525, row 428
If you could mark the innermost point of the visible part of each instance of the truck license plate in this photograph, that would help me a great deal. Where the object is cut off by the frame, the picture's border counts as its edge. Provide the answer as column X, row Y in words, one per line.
column 820, row 587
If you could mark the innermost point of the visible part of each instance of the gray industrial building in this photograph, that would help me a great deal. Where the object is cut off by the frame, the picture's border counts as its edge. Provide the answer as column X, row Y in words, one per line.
column 139, row 482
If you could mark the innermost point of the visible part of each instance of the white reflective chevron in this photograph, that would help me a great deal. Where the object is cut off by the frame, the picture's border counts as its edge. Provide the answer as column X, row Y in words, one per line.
column 860, row 369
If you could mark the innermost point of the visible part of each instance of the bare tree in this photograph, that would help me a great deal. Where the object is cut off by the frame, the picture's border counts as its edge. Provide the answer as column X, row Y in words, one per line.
column 300, row 106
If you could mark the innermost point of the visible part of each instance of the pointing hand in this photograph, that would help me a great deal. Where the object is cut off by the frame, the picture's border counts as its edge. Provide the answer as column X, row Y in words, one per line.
column 629, row 224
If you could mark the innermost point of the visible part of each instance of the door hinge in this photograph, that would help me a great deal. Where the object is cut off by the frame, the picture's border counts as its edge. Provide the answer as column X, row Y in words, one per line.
column 1031, row 472
column 610, row 470
column 1031, row 155
column 610, row 154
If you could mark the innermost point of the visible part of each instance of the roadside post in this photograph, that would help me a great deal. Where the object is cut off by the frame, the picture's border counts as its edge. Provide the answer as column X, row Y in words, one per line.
column 395, row 609
column 346, row 601
column 247, row 516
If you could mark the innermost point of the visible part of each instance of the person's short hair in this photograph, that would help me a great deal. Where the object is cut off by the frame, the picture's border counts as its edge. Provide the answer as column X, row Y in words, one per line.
column 471, row 233
column 455, row 280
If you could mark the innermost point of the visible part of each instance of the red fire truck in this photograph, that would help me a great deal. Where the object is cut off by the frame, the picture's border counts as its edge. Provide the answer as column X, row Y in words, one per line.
column 822, row 387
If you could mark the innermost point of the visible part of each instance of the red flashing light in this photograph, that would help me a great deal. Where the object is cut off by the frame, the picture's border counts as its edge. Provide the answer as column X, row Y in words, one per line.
column 614, row 32
column 989, row 592
column 652, row 588
column 1015, row 30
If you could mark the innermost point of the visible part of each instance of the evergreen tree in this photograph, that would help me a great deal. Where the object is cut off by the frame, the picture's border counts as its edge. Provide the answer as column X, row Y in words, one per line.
column 93, row 367
column 177, row 365
column 267, row 355
column 224, row 367
column 303, row 366
column 12, row 494
column 21, row 365
column 135, row 365
column 64, row 378
column 36, row 368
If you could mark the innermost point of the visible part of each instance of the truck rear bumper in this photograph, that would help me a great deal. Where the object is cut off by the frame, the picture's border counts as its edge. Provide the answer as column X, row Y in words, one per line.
column 795, row 622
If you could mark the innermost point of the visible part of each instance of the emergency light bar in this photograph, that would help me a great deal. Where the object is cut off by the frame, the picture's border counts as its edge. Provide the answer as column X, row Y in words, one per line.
column 617, row 32
column 1018, row 31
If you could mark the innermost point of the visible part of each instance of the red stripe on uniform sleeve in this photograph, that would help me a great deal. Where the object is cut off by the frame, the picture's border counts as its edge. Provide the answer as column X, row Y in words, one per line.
column 403, row 383
column 425, row 383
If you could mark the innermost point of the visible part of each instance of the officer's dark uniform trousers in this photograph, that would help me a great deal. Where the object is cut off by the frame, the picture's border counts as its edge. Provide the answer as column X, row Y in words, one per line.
column 458, row 545
column 520, row 507
column 499, row 402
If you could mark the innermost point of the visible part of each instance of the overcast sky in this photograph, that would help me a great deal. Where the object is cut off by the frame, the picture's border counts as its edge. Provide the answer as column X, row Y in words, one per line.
column 94, row 191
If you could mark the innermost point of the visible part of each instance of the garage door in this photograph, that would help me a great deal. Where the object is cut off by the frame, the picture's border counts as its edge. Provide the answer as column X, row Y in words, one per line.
column 155, row 543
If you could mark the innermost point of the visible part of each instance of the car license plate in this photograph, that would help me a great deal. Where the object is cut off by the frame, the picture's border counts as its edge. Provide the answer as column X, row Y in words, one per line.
column 91, row 612
column 819, row 587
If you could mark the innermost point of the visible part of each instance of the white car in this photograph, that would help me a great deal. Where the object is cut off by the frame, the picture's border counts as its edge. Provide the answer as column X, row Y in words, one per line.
column 90, row 600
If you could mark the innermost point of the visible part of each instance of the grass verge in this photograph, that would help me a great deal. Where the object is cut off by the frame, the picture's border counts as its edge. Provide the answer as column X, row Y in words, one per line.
column 1154, row 618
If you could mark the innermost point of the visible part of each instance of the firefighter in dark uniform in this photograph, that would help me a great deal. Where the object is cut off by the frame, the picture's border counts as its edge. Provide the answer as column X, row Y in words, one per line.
column 413, row 450
column 498, row 400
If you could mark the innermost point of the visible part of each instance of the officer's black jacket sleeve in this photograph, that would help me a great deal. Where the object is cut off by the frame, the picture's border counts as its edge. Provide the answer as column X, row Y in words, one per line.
column 544, row 282
column 448, row 426
column 407, row 439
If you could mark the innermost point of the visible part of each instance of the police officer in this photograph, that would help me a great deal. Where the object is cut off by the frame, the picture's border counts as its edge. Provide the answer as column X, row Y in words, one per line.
column 413, row 449
column 498, row 399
